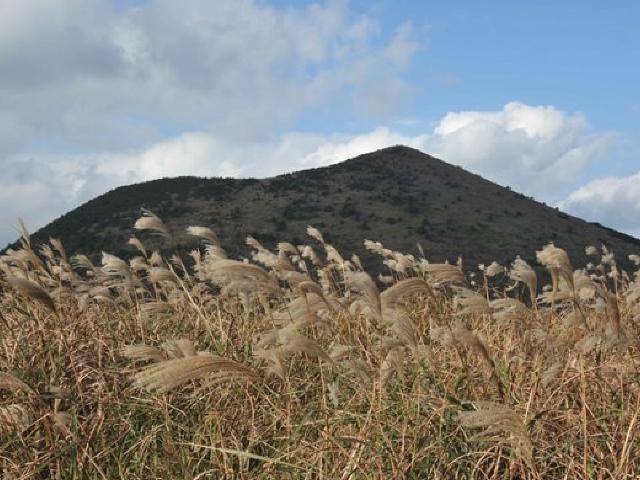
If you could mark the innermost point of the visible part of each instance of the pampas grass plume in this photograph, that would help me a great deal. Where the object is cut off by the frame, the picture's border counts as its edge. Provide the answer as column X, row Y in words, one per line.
column 32, row 290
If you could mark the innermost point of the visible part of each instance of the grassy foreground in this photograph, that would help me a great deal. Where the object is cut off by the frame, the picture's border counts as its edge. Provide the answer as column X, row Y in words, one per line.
column 299, row 365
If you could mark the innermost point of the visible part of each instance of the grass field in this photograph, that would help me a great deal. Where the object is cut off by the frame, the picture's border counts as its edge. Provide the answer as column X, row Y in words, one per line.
column 298, row 365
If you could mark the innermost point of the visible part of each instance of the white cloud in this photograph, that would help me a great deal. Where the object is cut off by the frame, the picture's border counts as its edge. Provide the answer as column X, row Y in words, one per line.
column 40, row 189
column 188, row 154
column 340, row 148
column 80, row 75
column 614, row 201
column 535, row 149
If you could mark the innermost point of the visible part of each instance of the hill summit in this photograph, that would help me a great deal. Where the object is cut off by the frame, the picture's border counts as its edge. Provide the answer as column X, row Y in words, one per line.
column 398, row 195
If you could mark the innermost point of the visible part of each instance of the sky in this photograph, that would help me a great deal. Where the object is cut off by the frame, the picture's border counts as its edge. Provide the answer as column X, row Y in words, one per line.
column 541, row 96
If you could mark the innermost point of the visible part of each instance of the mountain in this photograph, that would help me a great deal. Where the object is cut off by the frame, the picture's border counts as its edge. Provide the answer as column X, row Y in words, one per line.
column 398, row 195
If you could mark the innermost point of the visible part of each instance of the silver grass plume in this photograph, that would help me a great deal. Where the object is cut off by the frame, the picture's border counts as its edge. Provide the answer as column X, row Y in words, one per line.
column 307, row 286
column 135, row 242
column 138, row 264
column 156, row 259
column 286, row 247
column 362, row 283
column 296, row 343
column 143, row 352
column 507, row 310
column 392, row 363
column 100, row 292
column 441, row 273
column 32, row 290
column 275, row 360
column 266, row 257
column 333, row 255
column 467, row 302
column 393, row 296
column 340, row 352
column 404, row 329
column 587, row 344
column 494, row 269
column 239, row 276
column 591, row 250
column 114, row 266
column 301, row 311
column 214, row 253
column 471, row 340
column 315, row 233
column 169, row 374
column 82, row 261
column 57, row 245
column 374, row 247
column 294, row 278
column 161, row 274
column 25, row 238
column 466, row 337
column 306, row 251
column 355, row 259
column 557, row 262
column 150, row 221
column 180, row 348
column 203, row 232
column 155, row 310
column 498, row 420
column 521, row 271
column 550, row 374
column 357, row 367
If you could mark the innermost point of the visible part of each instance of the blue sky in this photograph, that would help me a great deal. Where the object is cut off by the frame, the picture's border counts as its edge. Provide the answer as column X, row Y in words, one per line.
column 577, row 55
column 543, row 96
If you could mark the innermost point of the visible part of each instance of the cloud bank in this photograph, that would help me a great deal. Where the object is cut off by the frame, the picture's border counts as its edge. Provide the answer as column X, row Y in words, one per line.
column 81, row 75
column 611, row 200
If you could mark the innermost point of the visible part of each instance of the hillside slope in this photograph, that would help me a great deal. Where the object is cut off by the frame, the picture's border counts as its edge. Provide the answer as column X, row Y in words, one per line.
column 397, row 195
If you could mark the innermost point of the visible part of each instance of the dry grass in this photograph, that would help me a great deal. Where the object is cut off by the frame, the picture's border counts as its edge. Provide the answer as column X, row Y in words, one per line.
column 299, row 365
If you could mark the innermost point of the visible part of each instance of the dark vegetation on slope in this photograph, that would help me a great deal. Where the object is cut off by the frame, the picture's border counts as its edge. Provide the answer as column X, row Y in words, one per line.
column 397, row 195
